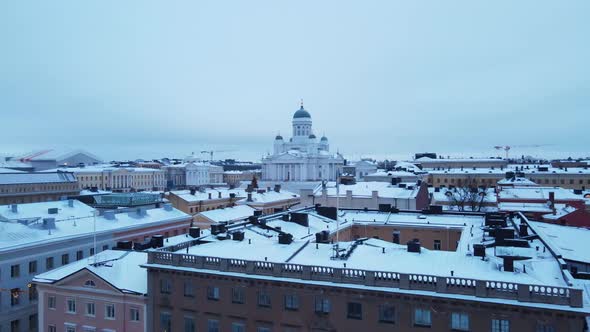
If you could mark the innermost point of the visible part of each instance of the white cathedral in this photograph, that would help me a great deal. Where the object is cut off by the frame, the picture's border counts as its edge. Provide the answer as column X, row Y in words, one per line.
column 302, row 158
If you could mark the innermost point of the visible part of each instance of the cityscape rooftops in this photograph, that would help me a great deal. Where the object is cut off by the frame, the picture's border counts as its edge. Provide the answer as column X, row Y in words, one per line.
column 569, row 242
column 229, row 213
column 352, row 261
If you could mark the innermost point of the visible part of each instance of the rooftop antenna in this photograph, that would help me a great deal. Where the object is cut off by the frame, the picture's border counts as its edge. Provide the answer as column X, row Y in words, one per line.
column 301, row 103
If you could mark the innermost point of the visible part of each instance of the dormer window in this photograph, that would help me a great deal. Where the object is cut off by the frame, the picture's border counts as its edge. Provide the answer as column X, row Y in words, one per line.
column 89, row 283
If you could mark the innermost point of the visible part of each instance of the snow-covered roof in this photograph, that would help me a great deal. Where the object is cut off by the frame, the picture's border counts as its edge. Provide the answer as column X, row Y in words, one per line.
column 103, row 168
column 393, row 174
column 365, row 189
column 261, row 244
column 15, row 177
column 229, row 214
column 55, row 154
column 121, row 269
column 8, row 170
column 25, row 227
column 204, row 195
column 269, row 197
column 560, row 212
column 526, row 207
column 536, row 193
column 570, row 242
column 458, row 160
column 517, row 181
column 445, row 194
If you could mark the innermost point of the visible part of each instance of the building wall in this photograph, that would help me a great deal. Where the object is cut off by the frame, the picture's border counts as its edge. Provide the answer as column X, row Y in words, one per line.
column 447, row 237
column 83, row 246
column 36, row 192
column 568, row 181
column 103, row 294
column 277, row 317
column 450, row 163
column 123, row 180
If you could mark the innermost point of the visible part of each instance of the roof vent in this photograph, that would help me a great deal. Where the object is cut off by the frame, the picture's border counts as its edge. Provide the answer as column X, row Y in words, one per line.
column 109, row 215
column 52, row 211
column 414, row 246
column 49, row 223
column 167, row 206
column 14, row 208
column 194, row 232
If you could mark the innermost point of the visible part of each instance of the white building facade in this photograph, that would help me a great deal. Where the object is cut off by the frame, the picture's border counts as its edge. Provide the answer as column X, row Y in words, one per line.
column 303, row 157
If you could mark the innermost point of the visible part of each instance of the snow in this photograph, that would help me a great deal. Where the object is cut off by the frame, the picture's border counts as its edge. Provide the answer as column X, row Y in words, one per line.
column 77, row 221
column 103, row 168
column 365, row 189
column 526, row 207
column 538, row 193
column 16, row 177
column 560, row 212
column 570, row 242
column 8, row 170
column 122, row 269
column 204, row 195
column 229, row 214
column 517, row 181
column 270, row 197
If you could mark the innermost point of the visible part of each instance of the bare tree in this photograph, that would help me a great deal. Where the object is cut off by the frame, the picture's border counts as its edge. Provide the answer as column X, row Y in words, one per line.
column 467, row 195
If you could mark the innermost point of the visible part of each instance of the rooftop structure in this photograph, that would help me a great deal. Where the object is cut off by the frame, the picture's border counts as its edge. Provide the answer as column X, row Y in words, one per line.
column 22, row 187
column 51, row 158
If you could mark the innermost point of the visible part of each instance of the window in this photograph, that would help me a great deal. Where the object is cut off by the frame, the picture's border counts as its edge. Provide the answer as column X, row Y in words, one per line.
column 91, row 251
column 237, row 295
column 212, row 325
column 386, row 314
column 322, row 305
column 263, row 299
column 32, row 267
column 32, row 292
column 109, row 311
column 79, row 255
column 51, row 302
column 459, row 321
column 15, row 271
column 49, row 263
column 422, row 317
column 500, row 325
column 65, row 259
column 238, row 327
column 134, row 315
column 71, row 306
column 188, row 289
column 51, row 328
column 89, row 283
column 291, row 302
column 544, row 327
column 15, row 325
column 354, row 310
column 213, row 293
column 165, row 286
column 165, row 322
column 189, row 324
column 90, row 309
column 436, row 244
column 15, row 296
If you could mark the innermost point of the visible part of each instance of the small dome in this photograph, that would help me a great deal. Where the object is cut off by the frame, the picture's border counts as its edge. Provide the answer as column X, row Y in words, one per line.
column 301, row 113
column 312, row 136
column 279, row 138
column 324, row 139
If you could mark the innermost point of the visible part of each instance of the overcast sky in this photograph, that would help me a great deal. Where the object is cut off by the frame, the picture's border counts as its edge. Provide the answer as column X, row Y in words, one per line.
column 380, row 78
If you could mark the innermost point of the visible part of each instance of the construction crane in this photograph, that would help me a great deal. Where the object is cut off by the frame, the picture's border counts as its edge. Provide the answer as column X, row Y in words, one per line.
column 507, row 148
column 211, row 152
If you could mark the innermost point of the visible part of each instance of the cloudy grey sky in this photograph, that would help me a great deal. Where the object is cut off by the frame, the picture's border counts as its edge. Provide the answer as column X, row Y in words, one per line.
column 146, row 79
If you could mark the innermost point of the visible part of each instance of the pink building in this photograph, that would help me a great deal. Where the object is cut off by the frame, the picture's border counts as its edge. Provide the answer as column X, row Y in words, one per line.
column 103, row 295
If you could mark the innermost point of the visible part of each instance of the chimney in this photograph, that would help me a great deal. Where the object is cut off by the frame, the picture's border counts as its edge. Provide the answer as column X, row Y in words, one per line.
column 193, row 191
column 375, row 194
column 194, row 232
column 219, row 194
column 14, row 208
column 209, row 195
column 523, row 230
column 552, row 202
column 249, row 197
column 70, row 202
column 277, row 188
